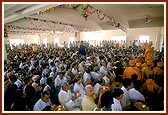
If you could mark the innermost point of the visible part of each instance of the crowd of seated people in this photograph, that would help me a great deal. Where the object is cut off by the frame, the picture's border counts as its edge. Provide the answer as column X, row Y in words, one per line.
column 104, row 78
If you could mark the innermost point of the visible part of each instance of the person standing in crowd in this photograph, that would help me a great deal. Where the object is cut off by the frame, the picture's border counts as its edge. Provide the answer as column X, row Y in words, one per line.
column 149, row 53
column 82, row 50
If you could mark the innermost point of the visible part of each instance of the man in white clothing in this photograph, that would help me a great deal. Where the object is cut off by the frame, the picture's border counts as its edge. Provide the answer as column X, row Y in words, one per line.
column 67, row 99
column 134, row 94
column 116, row 106
column 118, row 94
column 87, row 77
column 103, row 67
column 78, row 86
column 59, row 80
column 43, row 102
column 19, row 81
column 74, row 68
column 88, row 103
column 125, row 100
column 96, row 74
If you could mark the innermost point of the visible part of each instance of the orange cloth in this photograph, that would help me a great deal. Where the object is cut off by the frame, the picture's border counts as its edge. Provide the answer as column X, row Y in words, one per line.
column 149, row 62
column 160, row 64
column 129, row 71
column 158, row 71
column 147, row 72
column 143, row 65
column 138, row 73
column 150, row 85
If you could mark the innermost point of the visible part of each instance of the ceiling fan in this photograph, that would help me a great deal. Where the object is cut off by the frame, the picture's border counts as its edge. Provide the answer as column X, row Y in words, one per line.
column 148, row 20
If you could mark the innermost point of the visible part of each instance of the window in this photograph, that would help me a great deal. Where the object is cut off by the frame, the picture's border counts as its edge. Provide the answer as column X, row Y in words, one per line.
column 144, row 38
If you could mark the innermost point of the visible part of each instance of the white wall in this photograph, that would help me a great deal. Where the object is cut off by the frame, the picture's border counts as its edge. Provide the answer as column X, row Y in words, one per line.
column 26, row 38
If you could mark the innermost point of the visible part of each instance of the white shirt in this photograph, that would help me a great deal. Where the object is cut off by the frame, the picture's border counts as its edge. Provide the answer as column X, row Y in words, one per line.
column 58, row 81
column 21, row 65
column 125, row 99
column 40, row 105
column 74, row 71
column 95, row 75
column 65, row 100
column 86, row 76
column 109, row 64
column 88, row 103
column 80, row 67
column 18, row 83
column 43, row 80
column 103, row 70
column 107, row 80
column 45, row 72
column 96, row 88
column 135, row 95
column 81, row 89
column 116, row 106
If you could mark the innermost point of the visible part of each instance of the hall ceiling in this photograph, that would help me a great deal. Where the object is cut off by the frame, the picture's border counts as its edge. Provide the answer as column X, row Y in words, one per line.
column 82, row 16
